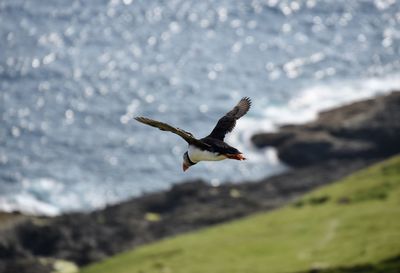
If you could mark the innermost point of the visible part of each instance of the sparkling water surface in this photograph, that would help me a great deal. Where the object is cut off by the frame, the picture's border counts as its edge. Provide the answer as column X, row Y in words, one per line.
column 73, row 74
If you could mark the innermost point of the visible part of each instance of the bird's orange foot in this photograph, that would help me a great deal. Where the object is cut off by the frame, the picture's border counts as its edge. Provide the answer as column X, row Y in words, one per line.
column 236, row 156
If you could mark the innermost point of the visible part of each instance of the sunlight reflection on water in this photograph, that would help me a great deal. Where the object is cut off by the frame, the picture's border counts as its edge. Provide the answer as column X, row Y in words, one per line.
column 74, row 74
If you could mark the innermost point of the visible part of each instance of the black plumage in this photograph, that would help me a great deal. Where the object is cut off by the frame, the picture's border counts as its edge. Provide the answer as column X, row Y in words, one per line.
column 228, row 122
column 219, row 146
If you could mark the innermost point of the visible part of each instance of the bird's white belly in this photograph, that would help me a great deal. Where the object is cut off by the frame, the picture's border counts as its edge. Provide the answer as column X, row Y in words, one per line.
column 196, row 155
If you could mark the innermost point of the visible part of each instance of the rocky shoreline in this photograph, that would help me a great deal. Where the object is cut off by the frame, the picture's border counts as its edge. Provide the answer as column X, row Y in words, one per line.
column 338, row 143
column 364, row 129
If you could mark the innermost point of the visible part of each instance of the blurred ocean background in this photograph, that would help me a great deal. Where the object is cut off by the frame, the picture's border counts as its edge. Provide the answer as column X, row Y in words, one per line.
column 74, row 73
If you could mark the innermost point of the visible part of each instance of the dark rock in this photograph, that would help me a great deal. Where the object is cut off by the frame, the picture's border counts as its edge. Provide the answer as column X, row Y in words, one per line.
column 270, row 139
column 309, row 148
column 365, row 129
column 40, row 240
column 30, row 265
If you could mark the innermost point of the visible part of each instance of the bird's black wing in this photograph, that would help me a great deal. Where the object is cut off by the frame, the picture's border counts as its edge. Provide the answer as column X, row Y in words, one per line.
column 219, row 146
column 228, row 122
column 182, row 133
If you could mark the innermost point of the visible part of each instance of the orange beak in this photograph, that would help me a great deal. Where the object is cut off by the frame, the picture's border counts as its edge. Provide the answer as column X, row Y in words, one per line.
column 185, row 167
column 236, row 156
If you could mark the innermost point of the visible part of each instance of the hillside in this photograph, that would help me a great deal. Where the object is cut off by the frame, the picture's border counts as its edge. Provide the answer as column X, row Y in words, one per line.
column 348, row 226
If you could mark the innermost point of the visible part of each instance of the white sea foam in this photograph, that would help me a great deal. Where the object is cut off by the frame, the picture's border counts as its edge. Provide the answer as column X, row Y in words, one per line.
column 308, row 102
column 38, row 196
column 27, row 203
column 45, row 196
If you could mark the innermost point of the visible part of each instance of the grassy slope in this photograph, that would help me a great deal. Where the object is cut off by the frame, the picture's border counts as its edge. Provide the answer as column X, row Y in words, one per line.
column 354, row 221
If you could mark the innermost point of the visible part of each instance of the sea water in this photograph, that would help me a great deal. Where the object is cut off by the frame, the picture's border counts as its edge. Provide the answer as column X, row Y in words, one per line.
column 73, row 74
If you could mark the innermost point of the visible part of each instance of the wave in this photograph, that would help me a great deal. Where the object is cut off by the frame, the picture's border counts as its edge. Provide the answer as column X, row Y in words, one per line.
column 28, row 204
column 43, row 196
column 305, row 106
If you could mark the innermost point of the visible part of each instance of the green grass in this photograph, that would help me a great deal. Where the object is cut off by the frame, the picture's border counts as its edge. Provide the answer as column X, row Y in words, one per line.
column 355, row 221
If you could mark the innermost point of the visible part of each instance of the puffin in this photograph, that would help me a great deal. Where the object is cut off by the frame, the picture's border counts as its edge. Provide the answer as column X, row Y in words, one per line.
column 212, row 147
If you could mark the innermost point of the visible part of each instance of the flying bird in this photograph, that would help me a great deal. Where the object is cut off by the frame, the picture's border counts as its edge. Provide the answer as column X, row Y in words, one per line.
column 211, row 147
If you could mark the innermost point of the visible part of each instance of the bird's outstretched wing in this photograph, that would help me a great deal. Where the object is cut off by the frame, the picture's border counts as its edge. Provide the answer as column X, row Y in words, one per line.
column 182, row 133
column 228, row 122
